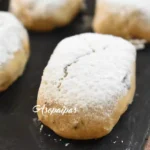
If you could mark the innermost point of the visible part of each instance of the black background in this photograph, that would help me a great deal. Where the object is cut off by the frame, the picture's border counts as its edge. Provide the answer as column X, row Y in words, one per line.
column 19, row 128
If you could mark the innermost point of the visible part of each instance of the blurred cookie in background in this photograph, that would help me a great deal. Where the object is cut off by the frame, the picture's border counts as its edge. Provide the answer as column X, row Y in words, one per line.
column 128, row 19
column 44, row 15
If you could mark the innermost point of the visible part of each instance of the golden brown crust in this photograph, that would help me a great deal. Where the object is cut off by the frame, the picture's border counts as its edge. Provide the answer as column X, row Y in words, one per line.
column 130, row 25
column 85, row 127
column 14, row 67
column 48, row 22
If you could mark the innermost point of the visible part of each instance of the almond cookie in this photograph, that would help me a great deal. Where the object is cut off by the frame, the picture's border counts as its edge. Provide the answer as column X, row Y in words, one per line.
column 125, row 18
column 14, row 49
column 89, row 82
column 43, row 15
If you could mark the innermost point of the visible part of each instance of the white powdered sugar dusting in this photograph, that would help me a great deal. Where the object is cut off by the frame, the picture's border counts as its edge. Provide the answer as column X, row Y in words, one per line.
column 140, row 5
column 44, row 7
column 53, row 3
column 89, row 71
column 11, row 35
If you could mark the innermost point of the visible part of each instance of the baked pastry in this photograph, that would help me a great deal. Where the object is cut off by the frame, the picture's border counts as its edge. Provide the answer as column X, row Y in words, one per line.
column 90, row 77
column 125, row 18
column 14, row 49
column 43, row 15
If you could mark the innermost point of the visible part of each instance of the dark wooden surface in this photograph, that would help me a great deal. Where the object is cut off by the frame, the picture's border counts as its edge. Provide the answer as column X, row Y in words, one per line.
column 19, row 128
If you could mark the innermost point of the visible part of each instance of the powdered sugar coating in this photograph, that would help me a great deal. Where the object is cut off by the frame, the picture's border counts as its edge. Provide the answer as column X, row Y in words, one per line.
column 44, row 7
column 53, row 3
column 122, row 6
column 11, row 35
column 89, row 71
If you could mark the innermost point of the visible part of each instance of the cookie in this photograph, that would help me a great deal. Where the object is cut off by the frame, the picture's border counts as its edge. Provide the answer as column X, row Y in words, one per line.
column 14, row 49
column 128, row 18
column 44, row 15
column 87, row 85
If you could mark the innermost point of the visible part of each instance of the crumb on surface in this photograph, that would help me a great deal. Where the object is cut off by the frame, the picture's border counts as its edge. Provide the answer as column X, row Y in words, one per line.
column 41, row 128
column 55, row 140
column 137, row 94
column 138, row 43
column 67, row 144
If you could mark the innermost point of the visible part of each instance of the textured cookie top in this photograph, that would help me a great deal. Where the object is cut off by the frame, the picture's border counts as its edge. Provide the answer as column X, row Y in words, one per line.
column 89, row 71
column 11, row 35
column 140, row 5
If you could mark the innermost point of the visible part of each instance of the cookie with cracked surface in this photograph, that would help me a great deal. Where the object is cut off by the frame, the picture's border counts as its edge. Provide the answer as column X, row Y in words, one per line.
column 93, row 73
column 126, row 18
column 14, row 49
column 44, row 15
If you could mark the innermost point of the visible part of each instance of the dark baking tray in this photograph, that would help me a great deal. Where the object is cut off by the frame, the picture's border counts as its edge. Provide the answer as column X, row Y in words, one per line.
column 19, row 127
